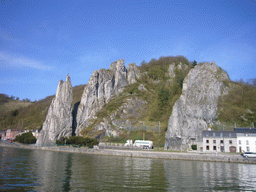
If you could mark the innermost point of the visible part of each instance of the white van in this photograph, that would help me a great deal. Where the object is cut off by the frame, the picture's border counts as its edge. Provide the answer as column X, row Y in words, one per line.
column 128, row 143
column 144, row 144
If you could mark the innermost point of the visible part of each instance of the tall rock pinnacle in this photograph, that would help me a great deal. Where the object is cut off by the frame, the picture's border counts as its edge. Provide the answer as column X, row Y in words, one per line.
column 196, row 109
column 58, row 121
column 102, row 86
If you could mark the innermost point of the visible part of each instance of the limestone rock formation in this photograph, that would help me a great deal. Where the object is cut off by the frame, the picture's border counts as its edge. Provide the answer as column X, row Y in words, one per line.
column 58, row 121
column 196, row 108
column 103, row 85
column 133, row 73
column 173, row 67
column 122, row 118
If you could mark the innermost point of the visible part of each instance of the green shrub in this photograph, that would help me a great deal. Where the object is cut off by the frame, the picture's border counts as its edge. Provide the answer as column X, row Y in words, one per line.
column 194, row 147
column 14, row 112
column 78, row 140
column 26, row 138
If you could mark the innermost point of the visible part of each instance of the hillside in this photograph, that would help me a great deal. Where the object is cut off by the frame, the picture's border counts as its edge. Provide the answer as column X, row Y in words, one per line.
column 142, row 108
column 29, row 115
column 142, row 105
column 238, row 107
column 8, row 104
column 139, row 109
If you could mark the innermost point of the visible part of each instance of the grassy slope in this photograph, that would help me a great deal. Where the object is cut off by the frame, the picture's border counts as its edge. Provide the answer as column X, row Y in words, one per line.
column 11, row 105
column 30, row 115
column 238, row 107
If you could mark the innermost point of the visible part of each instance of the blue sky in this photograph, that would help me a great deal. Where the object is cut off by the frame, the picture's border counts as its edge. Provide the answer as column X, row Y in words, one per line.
column 42, row 41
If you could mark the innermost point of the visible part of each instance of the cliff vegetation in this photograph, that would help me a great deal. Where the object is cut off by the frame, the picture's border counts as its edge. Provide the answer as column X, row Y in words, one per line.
column 238, row 107
column 21, row 115
column 144, row 103
column 143, row 108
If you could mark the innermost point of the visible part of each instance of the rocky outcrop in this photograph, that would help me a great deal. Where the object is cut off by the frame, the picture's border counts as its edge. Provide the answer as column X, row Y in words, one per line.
column 173, row 68
column 103, row 85
column 196, row 108
column 133, row 73
column 58, row 121
column 123, row 117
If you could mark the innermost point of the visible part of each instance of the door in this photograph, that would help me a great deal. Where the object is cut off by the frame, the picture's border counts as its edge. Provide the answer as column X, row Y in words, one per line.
column 232, row 149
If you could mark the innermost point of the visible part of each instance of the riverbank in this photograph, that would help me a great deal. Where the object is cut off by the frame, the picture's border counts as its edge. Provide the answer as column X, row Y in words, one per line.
column 221, row 157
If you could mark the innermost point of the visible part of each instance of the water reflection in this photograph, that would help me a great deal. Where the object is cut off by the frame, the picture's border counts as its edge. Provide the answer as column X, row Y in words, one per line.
column 247, row 175
column 33, row 170
column 68, row 173
column 50, row 169
column 192, row 176
column 104, row 173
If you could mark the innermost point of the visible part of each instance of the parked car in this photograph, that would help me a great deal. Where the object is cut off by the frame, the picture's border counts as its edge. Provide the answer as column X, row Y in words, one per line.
column 248, row 154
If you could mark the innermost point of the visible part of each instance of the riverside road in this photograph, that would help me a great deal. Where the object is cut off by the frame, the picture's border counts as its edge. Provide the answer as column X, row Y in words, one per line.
column 189, row 156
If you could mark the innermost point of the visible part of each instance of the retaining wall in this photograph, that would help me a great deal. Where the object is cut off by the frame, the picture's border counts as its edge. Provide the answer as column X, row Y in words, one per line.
column 221, row 157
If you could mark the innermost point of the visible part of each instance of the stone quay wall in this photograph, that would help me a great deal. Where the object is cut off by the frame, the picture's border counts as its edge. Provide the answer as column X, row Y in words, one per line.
column 189, row 156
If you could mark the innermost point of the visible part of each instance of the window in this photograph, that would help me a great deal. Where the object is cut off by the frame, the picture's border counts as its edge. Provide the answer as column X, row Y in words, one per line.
column 230, row 141
column 247, row 142
column 214, row 148
column 239, row 141
column 221, row 141
column 213, row 134
column 207, row 147
column 214, row 141
column 221, row 134
column 229, row 134
column 207, row 141
column 247, row 149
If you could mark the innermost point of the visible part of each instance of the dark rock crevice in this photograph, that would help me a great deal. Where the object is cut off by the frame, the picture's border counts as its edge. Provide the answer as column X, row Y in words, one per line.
column 74, row 114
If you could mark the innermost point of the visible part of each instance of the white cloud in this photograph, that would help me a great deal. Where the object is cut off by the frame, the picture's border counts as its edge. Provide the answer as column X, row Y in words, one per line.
column 21, row 61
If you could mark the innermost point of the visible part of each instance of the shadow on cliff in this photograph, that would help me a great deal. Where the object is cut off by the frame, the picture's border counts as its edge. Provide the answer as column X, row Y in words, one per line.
column 74, row 114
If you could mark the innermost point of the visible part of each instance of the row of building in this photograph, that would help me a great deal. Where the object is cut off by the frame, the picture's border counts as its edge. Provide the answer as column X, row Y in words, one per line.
column 10, row 134
column 239, row 140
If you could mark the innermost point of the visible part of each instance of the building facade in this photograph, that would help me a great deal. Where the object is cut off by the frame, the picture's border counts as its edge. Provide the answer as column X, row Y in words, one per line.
column 219, row 141
column 10, row 134
column 246, row 139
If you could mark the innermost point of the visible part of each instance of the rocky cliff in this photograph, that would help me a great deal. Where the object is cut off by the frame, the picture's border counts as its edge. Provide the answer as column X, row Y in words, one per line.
column 123, row 118
column 196, row 108
column 58, row 121
column 194, row 111
column 103, row 85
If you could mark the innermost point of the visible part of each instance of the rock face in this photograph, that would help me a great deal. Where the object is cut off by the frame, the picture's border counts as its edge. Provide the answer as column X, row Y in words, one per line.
column 133, row 73
column 103, row 85
column 173, row 67
column 58, row 121
column 196, row 108
column 122, row 118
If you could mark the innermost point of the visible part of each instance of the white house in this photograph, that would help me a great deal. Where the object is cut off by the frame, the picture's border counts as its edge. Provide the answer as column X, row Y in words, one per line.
column 219, row 141
column 246, row 139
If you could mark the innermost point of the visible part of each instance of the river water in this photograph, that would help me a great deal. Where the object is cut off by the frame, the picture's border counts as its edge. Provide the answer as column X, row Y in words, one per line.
column 36, row 170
